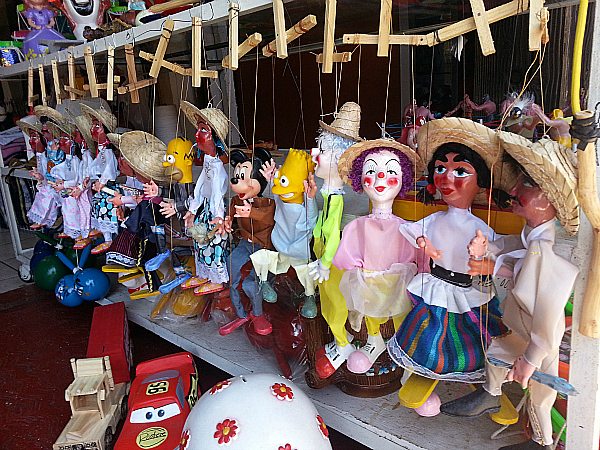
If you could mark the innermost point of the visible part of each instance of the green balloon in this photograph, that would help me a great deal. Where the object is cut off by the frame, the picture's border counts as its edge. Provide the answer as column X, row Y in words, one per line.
column 48, row 271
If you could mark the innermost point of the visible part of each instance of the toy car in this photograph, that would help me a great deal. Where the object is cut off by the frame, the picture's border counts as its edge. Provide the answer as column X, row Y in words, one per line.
column 161, row 397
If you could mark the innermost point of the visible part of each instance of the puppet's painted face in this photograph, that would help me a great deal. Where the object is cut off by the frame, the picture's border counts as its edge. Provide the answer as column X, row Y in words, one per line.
column 97, row 131
column 46, row 133
column 382, row 176
column 78, row 137
column 178, row 161
column 530, row 202
column 35, row 141
column 242, row 182
column 326, row 162
column 456, row 179
column 204, row 138
column 64, row 143
column 288, row 181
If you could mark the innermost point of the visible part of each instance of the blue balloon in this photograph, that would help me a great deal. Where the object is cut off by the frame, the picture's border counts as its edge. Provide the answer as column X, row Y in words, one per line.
column 66, row 293
column 92, row 284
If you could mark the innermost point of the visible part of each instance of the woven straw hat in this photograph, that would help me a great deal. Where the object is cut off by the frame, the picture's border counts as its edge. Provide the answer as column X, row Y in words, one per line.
column 552, row 167
column 50, row 113
column 477, row 137
column 104, row 116
column 354, row 151
column 57, row 128
column 84, row 126
column 30, row 123
column 144, row 153
column 213, row 116
column 346, row 123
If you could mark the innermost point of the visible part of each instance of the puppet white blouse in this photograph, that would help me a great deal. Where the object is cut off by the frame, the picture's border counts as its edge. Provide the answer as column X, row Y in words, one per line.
column 104, row 166
column 68, row 171
column 449, row 231
column 211, row 185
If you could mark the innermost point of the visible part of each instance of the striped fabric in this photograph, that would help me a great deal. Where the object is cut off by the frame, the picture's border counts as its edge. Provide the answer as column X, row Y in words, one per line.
column 437, row 344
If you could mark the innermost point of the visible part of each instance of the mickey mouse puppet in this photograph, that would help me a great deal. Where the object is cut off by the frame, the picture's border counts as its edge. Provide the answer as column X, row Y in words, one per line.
column 255, row 220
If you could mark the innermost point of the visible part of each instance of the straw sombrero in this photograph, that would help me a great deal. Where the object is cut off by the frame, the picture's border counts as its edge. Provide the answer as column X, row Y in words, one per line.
column 477, row 137
column 101, row 114
column 50, row 113
column 354, row 151
column 143, row 152
column 346, row 123
column 84, row 126
column 30, row 123
column 552, row 168
column 56, row 128
column 215, row 118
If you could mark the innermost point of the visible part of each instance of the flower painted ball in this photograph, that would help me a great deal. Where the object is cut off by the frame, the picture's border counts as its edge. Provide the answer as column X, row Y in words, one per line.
column 255, row 412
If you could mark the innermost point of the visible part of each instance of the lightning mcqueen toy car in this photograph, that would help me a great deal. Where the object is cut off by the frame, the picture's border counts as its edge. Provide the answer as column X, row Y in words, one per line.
column 161, row 397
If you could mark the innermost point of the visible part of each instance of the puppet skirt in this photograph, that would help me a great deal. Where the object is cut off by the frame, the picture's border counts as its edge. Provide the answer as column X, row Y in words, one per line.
column 44, row 209
column 438, row 344
column 104, row 213
column 211, row 258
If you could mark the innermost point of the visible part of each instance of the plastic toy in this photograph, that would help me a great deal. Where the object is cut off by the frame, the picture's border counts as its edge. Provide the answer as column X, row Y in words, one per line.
column 66, row 293
column 255, row 412
column 40, row 17
column 162, row 395
column 48, row 272
column 90, row 283
column 82, row 13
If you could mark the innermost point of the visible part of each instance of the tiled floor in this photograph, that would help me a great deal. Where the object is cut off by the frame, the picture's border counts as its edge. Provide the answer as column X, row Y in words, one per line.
column 9, row 266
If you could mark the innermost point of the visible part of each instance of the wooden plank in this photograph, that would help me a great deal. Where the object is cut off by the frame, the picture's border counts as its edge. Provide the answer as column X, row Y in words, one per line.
column 42, row 84
column 57, row 89
column 161, row 48
column 76, row 92
column 102, row 86
column 483, row 27
column 196, row 51
column 131, row 74
column 91, row 71
column 71, row 67
column 30, row 87
column 167, row 65
column 292, row 33
column 329, row 36
column 337, row 57
column 234, row 13
column 280, row 31
column 467, row 25
column 251, row 42
column 385, row 24
column 395, row 39
column 109, row 77
column 133, row 87
column 535, row 24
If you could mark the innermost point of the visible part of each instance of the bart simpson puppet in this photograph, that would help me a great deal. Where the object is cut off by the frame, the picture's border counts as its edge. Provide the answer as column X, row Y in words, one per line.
column 296, row 212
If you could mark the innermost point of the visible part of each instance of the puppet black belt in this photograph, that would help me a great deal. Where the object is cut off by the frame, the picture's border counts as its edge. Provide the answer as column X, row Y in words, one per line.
column 455, row 278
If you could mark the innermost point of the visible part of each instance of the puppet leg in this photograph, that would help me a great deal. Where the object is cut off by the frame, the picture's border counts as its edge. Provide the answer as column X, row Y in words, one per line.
column 541, row 399
column 309, row 308
column 265, row 261
column 360, row 361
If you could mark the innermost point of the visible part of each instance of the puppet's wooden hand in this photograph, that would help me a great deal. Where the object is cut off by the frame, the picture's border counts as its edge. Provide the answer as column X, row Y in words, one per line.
column 478, row 246
column 35, row 174
column 219, row 224
column 428, row 248
column 228, row 224
column 150, row 189
column 167, row 209
column 521, row 372
column 243, row 210
column 189, row 219
column 117, row 200
column 268, row 170
column 483, row 266
column 75, row 192
column 310, row 186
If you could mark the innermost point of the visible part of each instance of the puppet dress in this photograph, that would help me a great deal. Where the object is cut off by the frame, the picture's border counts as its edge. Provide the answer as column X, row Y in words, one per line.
column 85, row 199
column 379, row 263
column 442, row 337
column 44, row 209
column 69, row 172
column 105, row 169
column 32, row 45
column 208, row 203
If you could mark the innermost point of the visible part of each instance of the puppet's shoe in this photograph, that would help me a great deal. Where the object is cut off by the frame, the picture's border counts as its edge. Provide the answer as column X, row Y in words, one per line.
column 81, row 243
column 94, row 233
column 261, row 325
column 102, row 248
column 143, row 293
column 268, row 293
column 194, row 282
column 360, row 361
column 154, row 263
column 529, row 445
column 178, row 281
column 36, row 226
column 475, row 404
column 209, row 288
column 330, row 361
column 233, row 325
column 309, row 308
column 327, row 348
column 62, row 236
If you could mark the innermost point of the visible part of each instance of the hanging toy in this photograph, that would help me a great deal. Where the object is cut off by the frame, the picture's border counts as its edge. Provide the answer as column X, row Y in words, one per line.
column 90, row 284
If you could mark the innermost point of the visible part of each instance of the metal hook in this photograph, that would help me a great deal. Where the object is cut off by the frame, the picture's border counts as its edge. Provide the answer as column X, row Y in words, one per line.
column 113, row 39
column 94, row 45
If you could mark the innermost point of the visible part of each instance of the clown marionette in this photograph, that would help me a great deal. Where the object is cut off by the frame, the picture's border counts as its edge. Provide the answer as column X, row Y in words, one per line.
column 378, row 261
column 206, row 208
column 332, row 142
column 453, row 317
column 295, row 217
column 534, row 307
column 102, row 172
column 255, row 219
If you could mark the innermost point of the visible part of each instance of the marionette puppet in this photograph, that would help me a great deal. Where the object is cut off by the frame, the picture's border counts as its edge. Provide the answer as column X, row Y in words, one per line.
column 453, row 317
column 206, row 208
column 534, row 308
column 296, row 213
column 255, row 219
column 465, row 105
column 332, row 142
column 560, row 128
column 102, row 172
column 40, row 17
column 487, row 107
column 378, row 261
column 521, row 119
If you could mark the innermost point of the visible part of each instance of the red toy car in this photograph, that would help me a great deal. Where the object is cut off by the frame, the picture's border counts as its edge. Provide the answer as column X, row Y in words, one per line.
column 161, row 397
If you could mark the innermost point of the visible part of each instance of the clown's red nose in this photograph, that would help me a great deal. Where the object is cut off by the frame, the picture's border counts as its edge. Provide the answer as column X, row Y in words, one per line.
column 381, row 175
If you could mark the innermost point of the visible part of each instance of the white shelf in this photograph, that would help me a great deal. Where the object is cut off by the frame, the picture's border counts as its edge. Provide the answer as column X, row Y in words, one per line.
column 211, row 13
column 377, row 423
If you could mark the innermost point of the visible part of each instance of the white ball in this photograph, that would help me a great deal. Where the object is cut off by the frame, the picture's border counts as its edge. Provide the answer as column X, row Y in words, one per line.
column 255, row 412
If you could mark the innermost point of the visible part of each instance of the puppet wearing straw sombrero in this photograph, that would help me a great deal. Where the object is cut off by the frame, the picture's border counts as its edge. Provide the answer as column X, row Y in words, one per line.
column 534, row 308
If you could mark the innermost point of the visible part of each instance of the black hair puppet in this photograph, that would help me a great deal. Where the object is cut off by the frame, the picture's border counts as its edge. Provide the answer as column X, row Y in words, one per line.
column 247, row 181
